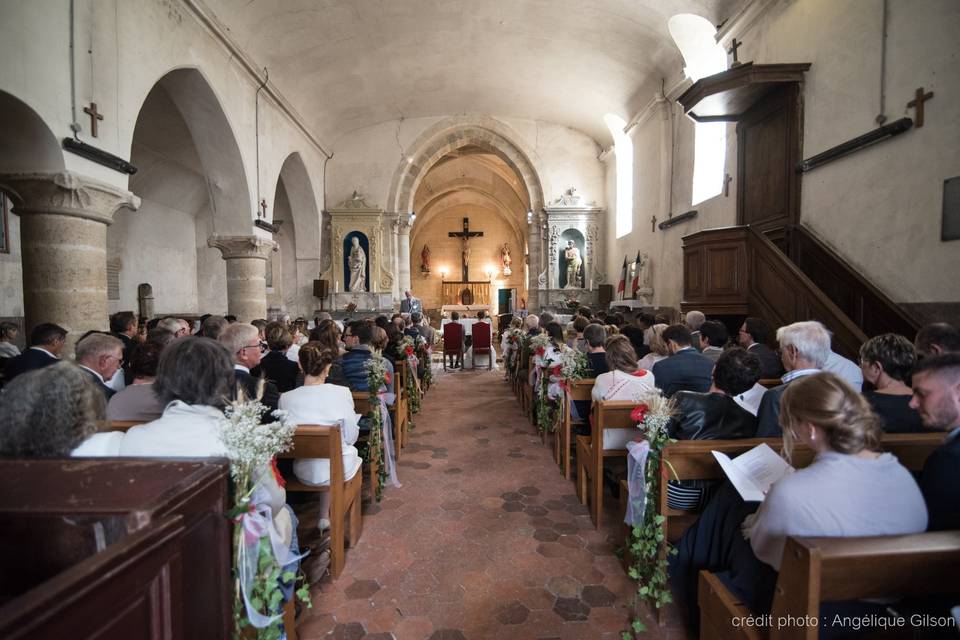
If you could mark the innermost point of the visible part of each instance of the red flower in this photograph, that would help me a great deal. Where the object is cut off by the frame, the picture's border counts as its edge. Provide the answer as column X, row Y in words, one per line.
column 639, row 412
column 540, row 351
column 640, row 373
column 556, row 370
column 276, row 474
column 386, row 378
column 409, row 350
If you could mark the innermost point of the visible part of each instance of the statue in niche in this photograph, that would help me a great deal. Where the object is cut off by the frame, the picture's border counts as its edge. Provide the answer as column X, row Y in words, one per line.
column 506, row 259
column 358, row 267
column 425, row 260
column 574, row 266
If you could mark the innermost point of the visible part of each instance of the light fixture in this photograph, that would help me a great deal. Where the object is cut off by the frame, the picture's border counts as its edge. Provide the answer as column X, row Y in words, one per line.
column 443, row 273
column 529, row 217
column 490, row 272
column 413, row 216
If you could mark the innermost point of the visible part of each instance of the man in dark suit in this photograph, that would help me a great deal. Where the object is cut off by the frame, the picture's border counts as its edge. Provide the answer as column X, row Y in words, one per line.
column 684, row 369
column 100, row 355
column 410, row 304
column 243, row 341
column 804, row 347
column 46, row 343
column 936, row 397
column 274, row 365
column 754, row 336
column 635, row 332
column 123, row 325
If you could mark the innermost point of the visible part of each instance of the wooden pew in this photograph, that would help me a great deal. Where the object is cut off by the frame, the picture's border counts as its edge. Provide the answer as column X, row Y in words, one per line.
column 591, row 454
column 770, row 383
column 362, row 405
column 398, row 410
column 526, row 390
column 562, row 443
column 325, row 441
column 817, row 570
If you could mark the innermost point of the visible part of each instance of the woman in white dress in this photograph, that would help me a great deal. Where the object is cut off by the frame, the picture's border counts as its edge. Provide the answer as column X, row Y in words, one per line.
column 624, row 381
column 318, row 402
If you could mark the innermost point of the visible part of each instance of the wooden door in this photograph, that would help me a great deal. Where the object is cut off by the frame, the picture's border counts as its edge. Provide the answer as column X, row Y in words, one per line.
column 768, row 146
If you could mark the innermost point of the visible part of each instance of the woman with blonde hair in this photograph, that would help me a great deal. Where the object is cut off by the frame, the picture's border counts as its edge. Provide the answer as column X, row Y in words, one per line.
column 622, row 381
column 658, row 348
column 850, row 489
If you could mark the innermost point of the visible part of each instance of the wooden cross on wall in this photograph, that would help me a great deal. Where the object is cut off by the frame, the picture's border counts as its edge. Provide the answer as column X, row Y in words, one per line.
column 94, row 117
column 917, row 103
column 465, row 235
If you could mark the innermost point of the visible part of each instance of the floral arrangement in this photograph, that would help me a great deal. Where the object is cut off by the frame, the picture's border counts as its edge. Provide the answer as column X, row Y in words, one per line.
column 539, row 344
column 574, row 365
column 646, row 542
column 377, row 377
column 261, row 558
column 412, row 384
column 514, row 347
column 425, row 354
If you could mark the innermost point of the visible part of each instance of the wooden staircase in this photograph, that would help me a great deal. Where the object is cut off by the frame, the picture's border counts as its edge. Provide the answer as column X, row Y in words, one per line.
column 735, row 272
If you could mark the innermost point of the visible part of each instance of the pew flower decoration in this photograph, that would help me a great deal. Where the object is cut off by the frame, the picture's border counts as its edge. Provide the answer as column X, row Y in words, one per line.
column 378, row 449
column 646, row 542
column 411, row 383
column 573, row 366
column 262, row 562
column 514, row 345
column 425, row 354
column 539, row 344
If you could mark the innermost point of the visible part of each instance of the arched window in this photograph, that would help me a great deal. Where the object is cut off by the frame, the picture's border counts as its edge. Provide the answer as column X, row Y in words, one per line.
column 694, row 37
column 623, row 149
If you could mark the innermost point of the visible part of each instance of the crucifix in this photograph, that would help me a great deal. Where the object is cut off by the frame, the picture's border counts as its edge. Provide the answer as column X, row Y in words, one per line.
column 733, row 51
column 465, row 235
column 653, row 224
column 94, row 117
column 917, row 103
column 726, row 184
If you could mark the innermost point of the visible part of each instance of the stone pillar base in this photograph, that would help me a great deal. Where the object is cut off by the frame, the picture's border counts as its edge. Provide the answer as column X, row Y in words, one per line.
column 246, row 258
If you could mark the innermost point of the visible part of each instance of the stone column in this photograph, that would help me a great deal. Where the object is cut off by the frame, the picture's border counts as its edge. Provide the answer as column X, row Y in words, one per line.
column 534, row 244
column 246, row 258
column 63, row 237
column 403, row 272
column 395, row 246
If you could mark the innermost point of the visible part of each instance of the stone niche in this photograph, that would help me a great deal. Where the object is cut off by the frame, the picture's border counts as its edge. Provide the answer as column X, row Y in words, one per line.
column 569, row 218
column 352, row 218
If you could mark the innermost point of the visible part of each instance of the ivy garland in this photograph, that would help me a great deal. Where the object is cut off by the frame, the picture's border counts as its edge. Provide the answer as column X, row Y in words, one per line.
column 377, row 377
column 412, row 388
column 646, row 542
column 424, row 353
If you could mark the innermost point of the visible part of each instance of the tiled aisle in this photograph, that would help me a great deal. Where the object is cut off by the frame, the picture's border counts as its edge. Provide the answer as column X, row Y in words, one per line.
column 484, row 540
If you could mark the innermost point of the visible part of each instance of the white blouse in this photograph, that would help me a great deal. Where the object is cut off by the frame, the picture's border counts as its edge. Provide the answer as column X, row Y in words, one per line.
column 619, row 385
column 324, row 404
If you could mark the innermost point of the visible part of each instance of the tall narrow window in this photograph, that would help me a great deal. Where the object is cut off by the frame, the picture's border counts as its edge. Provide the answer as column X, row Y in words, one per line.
column 694, row 37
column 623, row 150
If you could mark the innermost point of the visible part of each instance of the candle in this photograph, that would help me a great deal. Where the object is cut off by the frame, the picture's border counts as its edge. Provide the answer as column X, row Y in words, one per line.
column 591, row 284
column 336, row 286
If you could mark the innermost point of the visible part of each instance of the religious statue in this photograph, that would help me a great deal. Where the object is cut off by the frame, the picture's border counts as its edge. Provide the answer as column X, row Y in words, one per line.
column 425, row 260
column 506, row 259
column 465, row 254
column 574, row 263
column 358, row 267
column 644, row 272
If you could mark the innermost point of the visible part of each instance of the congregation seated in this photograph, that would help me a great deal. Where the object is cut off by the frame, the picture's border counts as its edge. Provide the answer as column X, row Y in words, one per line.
column 548, row 358
column 595, row 336
column 52, row 412
column 532, row 324
column 576, row 339
column 8, row 334
column 100, row 355
column 636, row 331
column 713, row 337
column 242, row 340
column 693, row 321
column 213, row 326
column 319, row 402
column 936, row 339
column 755, row 336
column 887, row 361
column 804, row 348
column 46, row 343
column 623, row 381
column 714, row 415
column 274, row 365
column 137, row 401
column 936, row 397
column 328, row 334
column 179, row 328
column 850, row 489
column 845, row 368
column 685, row 369
column 657, row 348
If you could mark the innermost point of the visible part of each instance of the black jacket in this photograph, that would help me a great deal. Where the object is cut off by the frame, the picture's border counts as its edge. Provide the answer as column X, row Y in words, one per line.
column 98, row 383
column 271, row 396
column 770, row 365
column 280, row 370
column 685, row 370
column 27, row 361
column 710, row 416
column 940, row 485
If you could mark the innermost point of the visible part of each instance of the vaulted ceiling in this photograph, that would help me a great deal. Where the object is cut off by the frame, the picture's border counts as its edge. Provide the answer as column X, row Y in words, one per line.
column 347, row 64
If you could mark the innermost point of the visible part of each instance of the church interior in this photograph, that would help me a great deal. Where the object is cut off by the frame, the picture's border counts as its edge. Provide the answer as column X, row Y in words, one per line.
column 475, row 216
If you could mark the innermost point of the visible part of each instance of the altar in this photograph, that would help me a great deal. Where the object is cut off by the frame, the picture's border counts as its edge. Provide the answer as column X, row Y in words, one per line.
column 466, row 293
column 463, row 309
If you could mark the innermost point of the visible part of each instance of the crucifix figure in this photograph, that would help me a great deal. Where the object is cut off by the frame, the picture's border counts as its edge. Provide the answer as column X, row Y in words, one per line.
column 94, row 117
column 653, row 224
column 726, row 184
column 465, row 236
column 917, row 103
column 733, row 51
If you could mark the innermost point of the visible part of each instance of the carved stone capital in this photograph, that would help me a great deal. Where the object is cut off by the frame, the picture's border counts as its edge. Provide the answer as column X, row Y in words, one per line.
column 66, row 194
column 232, row 247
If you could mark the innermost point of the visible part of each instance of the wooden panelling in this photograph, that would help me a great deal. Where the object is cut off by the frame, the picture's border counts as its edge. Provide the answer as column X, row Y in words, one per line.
column 692, row 274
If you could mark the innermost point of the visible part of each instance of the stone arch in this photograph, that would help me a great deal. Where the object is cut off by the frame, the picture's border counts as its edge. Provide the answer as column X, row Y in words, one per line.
column 428, row 212
column 216, row 146
column 303, row 205
column 452, row 134
column 27, row 145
